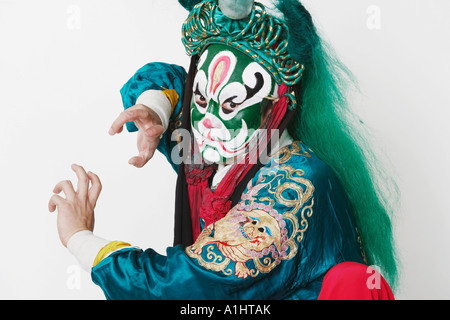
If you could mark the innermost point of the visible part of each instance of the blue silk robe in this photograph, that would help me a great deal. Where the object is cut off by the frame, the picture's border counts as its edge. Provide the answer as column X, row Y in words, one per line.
column 292, row 224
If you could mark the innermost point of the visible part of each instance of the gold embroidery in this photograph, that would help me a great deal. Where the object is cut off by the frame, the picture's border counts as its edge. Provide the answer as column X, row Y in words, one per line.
column 361, row 247
column 176, row 123
column 284, row 154
column 260, row 232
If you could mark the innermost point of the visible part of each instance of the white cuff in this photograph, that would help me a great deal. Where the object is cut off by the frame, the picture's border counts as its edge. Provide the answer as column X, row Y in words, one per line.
column 158, row 102
column 85, row 246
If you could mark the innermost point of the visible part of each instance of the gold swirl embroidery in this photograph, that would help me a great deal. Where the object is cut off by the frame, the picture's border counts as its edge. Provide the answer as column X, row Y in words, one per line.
column 269, row 200
column 306, row 213
column 284, row 154
column 212, row 265
column 212, row 256
column 361, row 247
column 266, row 265
column 176, row 123
column 228, row 272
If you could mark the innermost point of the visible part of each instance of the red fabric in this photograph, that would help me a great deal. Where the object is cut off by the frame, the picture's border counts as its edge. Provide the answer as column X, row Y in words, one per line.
column 354, row 281
column 213, row 205
column 197, row 180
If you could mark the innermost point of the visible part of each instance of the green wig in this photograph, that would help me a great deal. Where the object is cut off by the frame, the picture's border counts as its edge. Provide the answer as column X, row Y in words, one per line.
column 324, row 122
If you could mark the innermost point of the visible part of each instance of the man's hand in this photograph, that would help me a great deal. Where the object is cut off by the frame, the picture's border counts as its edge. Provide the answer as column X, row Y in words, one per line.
column 150, row 130
column 76, row 211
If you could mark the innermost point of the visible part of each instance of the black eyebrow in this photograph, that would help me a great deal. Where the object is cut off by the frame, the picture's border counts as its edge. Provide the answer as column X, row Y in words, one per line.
column 259, row 84
column 230, row 99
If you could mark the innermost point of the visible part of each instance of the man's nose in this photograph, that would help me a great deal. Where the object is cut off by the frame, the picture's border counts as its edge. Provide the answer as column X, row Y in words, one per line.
column 207, row 123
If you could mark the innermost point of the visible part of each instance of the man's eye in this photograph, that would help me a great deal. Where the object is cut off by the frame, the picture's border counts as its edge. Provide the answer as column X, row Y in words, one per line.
column 200, row 97
column 200, row 100
column 228, row 106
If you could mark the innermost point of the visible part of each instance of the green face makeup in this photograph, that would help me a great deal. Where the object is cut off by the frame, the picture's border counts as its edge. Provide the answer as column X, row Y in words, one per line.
column 228, row 90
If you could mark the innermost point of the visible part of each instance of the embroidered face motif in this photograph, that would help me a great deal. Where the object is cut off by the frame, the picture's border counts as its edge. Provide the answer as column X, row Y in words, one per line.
column 260, row 230
column 240, row 235
column 228, row 91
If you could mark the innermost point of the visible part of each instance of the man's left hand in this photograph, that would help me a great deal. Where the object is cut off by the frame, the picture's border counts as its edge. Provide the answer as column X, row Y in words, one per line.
column 76, row 210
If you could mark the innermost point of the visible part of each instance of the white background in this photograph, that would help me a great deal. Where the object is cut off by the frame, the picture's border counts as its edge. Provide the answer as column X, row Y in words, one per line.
column 62, row 64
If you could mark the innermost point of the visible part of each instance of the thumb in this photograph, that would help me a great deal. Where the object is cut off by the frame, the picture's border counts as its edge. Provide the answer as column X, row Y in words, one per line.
column 141, row 160
column 154, row 131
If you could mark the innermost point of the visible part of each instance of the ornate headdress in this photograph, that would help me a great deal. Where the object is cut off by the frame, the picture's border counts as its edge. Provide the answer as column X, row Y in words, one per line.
column 257, row 34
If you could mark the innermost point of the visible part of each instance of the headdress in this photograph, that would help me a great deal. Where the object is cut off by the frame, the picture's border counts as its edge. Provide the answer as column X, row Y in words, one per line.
column 259, row 35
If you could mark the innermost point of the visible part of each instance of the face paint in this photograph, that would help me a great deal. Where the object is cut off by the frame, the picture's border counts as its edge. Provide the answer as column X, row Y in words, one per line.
column 228, row 90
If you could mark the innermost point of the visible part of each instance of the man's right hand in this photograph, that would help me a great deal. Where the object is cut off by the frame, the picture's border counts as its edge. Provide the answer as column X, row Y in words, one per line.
column 150, row 130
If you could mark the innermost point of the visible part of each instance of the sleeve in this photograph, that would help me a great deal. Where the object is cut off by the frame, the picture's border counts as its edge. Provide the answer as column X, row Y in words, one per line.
column 158, row 82
column 264, row 248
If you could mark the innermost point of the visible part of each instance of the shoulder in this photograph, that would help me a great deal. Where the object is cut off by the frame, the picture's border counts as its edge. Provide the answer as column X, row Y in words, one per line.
column 296, row 180
column 293, row 161
column 163, row 66
column 292, row 182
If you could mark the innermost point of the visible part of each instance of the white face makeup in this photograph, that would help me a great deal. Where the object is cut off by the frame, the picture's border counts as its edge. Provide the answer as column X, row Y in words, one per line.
column 229, row 88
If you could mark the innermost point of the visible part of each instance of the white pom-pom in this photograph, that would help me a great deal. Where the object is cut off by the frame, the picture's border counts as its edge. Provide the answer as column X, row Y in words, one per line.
column 236, row 9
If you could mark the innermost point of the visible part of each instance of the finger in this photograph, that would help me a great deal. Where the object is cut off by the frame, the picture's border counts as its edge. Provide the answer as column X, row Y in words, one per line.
column 96, row 188
column 131, row 114
column 119, row 130
column 66, row 187
column 117, row 125
column 54, row 202
column 138, row 161
column 83, row 180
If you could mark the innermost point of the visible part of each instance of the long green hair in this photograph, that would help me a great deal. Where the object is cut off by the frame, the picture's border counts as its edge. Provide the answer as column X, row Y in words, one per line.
column 325, row 123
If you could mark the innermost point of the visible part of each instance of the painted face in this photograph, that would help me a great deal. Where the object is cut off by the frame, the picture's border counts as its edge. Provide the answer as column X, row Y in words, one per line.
column 228, row 91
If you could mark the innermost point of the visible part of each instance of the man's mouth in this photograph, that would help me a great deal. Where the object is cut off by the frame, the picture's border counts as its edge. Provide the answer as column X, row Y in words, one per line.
column 237, row 144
